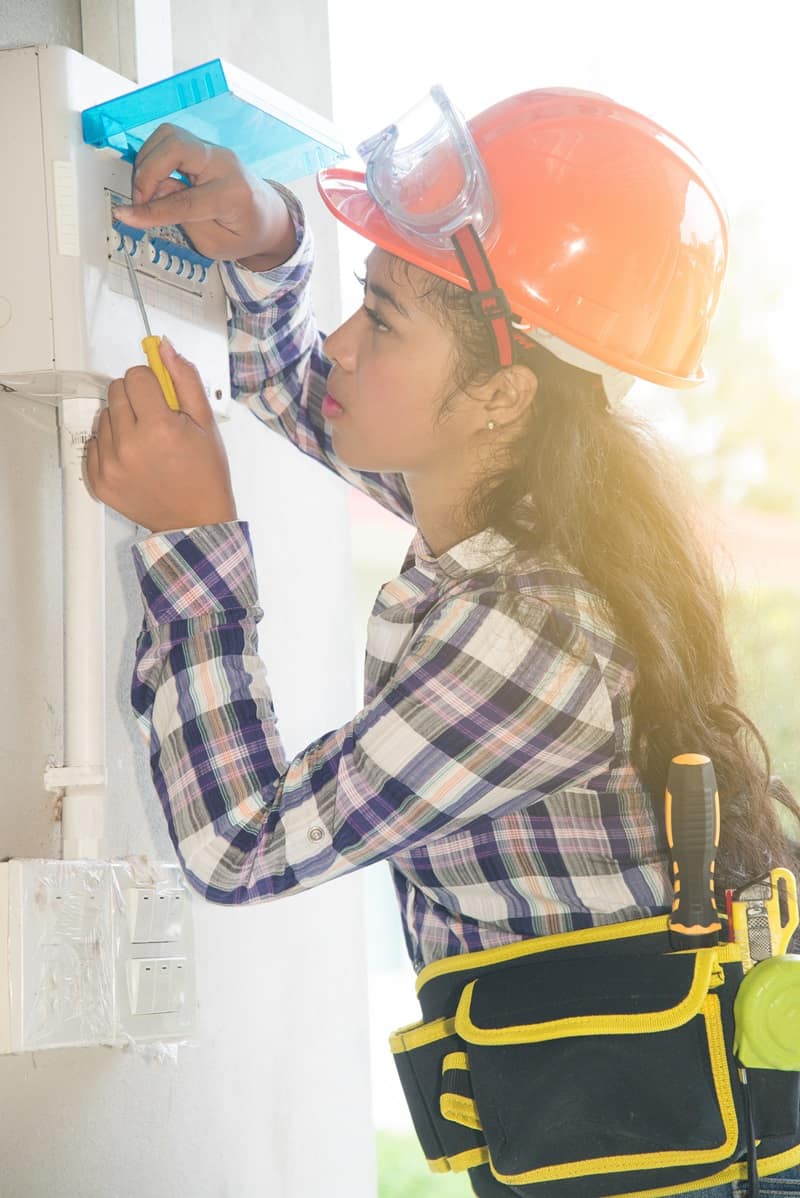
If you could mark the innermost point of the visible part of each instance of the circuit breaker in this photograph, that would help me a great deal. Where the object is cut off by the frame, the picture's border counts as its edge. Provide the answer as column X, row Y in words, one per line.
column 94, row 952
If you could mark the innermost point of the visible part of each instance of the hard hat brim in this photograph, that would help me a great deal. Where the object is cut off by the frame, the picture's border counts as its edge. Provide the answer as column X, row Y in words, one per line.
column 344, row 192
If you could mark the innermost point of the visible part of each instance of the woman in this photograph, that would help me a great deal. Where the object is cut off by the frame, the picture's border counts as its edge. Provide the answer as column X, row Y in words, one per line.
column 556, row 633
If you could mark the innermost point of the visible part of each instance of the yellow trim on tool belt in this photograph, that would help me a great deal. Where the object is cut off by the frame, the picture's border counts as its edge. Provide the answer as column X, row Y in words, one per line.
column 455, row 1060
column 767, row 1167
column 657, row 1160
column 652, row 925
column 461, row 1162
column 418, row 1034
column 627, row 1024
column 698, row 1001
column 459, row 1109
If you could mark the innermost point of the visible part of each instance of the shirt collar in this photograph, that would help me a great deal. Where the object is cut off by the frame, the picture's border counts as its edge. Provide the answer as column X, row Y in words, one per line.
column 482, row 550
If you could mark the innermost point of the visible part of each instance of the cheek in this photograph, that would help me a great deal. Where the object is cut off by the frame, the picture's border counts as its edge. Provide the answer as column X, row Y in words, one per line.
column 408, row 377
column 398, row 410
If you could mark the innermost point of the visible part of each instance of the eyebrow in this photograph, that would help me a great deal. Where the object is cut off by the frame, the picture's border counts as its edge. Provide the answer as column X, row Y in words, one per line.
column 384, row 294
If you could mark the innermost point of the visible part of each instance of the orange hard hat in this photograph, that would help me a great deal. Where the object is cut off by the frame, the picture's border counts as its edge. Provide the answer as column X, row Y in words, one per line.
column 607, row 233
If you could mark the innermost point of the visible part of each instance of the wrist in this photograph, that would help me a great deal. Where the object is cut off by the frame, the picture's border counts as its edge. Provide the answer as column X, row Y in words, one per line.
column 216, row 518
column 280, row 234
column 258, row 263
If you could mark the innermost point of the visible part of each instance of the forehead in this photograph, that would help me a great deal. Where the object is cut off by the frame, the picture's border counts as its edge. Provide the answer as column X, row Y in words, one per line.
column 410, row 285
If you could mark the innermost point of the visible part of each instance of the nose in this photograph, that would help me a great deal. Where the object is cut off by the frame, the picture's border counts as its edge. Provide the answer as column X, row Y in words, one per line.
column 341, row 344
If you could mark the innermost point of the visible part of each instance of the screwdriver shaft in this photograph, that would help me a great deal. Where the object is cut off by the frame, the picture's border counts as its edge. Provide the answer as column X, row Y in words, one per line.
column 137, row 293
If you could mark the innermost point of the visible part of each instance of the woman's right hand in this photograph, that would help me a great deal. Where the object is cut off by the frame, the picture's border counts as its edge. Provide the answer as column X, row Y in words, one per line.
column 226, row 213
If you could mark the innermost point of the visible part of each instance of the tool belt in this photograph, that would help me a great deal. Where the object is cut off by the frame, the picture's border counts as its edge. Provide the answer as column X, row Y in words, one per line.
column 590, row 1064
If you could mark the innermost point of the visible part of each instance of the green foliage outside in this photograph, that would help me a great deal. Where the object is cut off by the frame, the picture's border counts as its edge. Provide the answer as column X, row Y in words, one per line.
column 764, row 627
column 743, row 427
column 403, row 1173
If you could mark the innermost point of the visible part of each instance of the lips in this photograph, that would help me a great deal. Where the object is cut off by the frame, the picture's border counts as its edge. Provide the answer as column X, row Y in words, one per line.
column 331, row 407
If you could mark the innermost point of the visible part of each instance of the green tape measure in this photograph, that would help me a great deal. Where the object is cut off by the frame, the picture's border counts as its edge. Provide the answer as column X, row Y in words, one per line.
column 767, row 1012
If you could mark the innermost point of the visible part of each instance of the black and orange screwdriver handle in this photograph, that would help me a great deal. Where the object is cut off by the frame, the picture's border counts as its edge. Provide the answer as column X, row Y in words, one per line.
column 692, row 819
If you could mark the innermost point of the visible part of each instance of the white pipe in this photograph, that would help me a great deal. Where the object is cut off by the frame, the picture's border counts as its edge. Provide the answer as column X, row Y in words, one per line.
column 84, row 778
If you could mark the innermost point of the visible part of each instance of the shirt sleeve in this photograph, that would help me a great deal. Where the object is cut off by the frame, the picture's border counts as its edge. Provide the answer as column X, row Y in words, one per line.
column 482, row 716
column 278, row 365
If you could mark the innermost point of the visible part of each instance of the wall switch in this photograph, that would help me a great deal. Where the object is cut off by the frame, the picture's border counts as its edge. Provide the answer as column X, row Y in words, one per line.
column 154, row 916
column 156, row 984
column 94, row 952
column 155, row 955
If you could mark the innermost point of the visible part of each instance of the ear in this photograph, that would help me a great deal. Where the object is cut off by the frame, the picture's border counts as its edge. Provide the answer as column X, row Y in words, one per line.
column 510, row 394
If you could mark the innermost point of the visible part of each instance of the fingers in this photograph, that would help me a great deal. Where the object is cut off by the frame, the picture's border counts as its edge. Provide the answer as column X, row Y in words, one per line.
column 181, row 207
column 168, row 149
column 135, row 397
column 178, row 151
column 156, row 139
column 119, row 415
column 143, row 399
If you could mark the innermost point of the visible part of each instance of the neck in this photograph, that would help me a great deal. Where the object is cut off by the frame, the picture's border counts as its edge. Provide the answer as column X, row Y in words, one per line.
column 438, row 513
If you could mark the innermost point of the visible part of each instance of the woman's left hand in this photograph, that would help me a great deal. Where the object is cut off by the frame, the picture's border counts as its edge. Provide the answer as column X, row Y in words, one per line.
column 161, row 468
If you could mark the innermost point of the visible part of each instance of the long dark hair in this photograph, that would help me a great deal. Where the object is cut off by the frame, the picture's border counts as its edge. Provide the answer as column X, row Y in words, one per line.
column 608, row 498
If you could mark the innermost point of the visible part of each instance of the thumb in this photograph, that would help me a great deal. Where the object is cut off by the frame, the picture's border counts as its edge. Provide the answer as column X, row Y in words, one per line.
column 189, row 389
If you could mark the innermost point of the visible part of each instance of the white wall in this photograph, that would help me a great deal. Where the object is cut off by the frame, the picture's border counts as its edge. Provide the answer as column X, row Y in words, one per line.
column 274, row 1099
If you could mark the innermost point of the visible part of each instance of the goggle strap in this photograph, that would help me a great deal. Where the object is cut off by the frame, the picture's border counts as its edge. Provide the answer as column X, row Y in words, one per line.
column 489, row 301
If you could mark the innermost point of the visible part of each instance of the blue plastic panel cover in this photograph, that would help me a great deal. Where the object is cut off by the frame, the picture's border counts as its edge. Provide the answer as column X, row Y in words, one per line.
column 275, row 137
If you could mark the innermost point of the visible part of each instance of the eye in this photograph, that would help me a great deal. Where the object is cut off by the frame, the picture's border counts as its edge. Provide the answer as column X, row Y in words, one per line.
column 379, row 325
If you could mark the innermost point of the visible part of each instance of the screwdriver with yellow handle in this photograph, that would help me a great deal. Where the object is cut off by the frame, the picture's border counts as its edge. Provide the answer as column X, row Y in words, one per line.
column 692, row 819
column 151, row 343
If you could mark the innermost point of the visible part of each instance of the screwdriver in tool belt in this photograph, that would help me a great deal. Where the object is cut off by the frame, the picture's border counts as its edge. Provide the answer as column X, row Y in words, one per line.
column 692, row 819
column 150, row 344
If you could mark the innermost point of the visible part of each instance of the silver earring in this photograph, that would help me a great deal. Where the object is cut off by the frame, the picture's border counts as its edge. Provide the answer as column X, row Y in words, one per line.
column 490, row 426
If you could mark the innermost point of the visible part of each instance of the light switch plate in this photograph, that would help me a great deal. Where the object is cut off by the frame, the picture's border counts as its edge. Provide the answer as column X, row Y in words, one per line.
column 94, row 952
column 154, row 915
column 156, row 985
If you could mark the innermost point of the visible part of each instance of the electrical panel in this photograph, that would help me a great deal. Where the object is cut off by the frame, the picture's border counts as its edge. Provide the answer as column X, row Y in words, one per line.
column 68, row 319
column 94, row 952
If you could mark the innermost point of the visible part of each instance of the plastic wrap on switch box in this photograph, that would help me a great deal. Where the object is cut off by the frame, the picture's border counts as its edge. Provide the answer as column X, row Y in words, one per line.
column 98, row 952
column 66, row 976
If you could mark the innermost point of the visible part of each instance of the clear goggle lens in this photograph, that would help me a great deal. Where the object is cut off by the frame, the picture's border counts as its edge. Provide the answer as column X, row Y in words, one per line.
column 427, row 176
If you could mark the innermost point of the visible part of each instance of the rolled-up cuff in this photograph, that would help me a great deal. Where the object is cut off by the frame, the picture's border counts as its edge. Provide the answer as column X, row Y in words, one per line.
column 193, row 572
column 249, row 288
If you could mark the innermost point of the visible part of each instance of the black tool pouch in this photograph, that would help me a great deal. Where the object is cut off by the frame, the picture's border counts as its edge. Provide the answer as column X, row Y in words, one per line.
column 590, row 1068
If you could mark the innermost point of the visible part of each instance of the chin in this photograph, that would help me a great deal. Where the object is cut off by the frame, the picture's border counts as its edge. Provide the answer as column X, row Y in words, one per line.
column 363, row 459
column 369, row 465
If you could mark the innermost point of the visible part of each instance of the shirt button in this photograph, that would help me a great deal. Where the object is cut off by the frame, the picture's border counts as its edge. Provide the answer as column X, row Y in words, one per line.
column 316, row 833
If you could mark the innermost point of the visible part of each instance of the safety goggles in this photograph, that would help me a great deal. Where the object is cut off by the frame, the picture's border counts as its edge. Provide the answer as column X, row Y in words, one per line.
column 428, row 178
column 426, row 174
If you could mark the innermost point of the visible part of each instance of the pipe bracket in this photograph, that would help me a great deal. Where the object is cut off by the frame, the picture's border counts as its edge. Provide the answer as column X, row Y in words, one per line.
column 60, row 777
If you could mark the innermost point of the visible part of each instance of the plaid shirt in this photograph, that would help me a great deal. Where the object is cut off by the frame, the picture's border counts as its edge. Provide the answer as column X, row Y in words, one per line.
column 490, row 764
